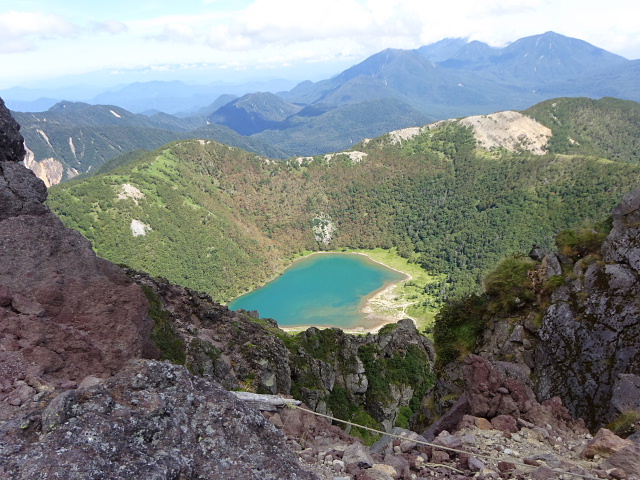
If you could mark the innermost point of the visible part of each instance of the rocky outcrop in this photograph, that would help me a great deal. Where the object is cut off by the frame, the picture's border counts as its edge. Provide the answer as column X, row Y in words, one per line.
column 497, row 445
column 590, row 335
column 235, row 349
column 579, row 339
column 151, row 420
column 510, row 130
column 64, row 313
column 332, row 372
column 379, row 373
column 502, row 393
column 11, row 142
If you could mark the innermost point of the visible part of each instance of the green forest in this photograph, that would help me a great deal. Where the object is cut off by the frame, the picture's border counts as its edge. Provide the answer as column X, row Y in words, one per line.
column 222, row 220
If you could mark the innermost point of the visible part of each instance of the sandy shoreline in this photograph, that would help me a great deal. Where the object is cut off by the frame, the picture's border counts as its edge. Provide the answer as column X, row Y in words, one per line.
column 379, row 308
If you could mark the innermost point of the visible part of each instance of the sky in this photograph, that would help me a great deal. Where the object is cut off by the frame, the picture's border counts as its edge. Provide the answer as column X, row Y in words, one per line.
column 53, row 42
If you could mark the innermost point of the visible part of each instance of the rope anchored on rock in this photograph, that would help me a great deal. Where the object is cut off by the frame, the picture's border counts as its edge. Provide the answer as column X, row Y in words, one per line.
column 433, row 445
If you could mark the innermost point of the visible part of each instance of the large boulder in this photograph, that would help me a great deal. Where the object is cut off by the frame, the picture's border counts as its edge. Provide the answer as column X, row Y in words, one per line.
column 152, row 420
column 492, row 391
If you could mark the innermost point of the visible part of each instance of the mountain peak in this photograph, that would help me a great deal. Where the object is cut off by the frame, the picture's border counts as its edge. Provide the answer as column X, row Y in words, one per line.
column 443, row 49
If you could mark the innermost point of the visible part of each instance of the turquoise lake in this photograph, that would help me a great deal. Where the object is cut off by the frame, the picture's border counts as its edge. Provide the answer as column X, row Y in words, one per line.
column 324, row 289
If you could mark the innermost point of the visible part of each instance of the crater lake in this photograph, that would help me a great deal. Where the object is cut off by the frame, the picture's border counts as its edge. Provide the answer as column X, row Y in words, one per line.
column 325, row 289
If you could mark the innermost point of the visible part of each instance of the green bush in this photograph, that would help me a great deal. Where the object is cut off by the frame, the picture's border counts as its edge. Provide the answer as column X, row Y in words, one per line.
column 509, row 286
column 577, row 243
column 164, row 336
column 457, row 326
column 625, row 423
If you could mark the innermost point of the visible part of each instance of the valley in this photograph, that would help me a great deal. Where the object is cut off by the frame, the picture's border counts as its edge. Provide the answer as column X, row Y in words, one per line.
column 442, row 200
column 435, row 199
column 423, row 266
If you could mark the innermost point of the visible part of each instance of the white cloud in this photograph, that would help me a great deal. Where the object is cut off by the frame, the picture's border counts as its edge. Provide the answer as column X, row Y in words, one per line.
column 178, row 33
column 274, row 33
column 20, row 31
column 114, row 27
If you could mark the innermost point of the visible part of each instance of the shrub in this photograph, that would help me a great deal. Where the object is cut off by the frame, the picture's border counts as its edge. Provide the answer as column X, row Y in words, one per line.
column 164, row 336
column 456, row 327
column 509, row 286
column 579, row 242
column 625, row 423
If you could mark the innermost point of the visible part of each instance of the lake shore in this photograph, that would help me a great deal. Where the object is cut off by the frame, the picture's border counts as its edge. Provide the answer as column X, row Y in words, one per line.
column 379, row 308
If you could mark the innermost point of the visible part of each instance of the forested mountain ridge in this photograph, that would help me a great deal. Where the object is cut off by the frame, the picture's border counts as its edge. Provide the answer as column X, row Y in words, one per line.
column 607, row 127
column 254, row 113
column 72, row 138
column 390, row 90
column 442, row 200
column 535, row 60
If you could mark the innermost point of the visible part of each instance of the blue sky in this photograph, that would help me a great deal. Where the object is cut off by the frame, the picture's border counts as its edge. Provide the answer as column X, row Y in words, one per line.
column 201, row 41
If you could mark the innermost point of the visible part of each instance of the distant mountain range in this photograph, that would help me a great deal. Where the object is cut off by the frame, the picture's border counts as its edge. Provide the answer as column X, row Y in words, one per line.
column 390, row 90
column 73, row 138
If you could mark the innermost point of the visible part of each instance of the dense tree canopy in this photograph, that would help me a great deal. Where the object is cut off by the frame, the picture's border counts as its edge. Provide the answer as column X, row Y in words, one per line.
column 223, row 220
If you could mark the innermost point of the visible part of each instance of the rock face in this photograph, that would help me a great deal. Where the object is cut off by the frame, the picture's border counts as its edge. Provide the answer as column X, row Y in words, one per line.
column 590, row 335
column 510, row 130
column 580, row 340
column 151, row 420
column 327, row 369
column 11, row 142
column 64, row 313
column 219, row 343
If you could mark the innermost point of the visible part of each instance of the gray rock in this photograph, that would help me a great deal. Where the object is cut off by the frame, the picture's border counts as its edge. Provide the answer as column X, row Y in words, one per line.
column 543, row 473
column 591, row 333
column 445, row 439
column 398, row 463
column 152, row 420
column 379, row 474
column 626, row 393
column 358, row 454
column 475, row 465
column 58, row 411
column 552, row 265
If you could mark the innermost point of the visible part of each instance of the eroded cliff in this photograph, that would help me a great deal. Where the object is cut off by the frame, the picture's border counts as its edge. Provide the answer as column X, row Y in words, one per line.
column 590, row 335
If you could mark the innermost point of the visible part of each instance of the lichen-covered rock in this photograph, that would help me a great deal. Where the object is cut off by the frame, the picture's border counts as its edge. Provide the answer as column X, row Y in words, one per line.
column 153, row 420
column 11, row 142
column 233, row 348
column 626, row 393
column 591, row 332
